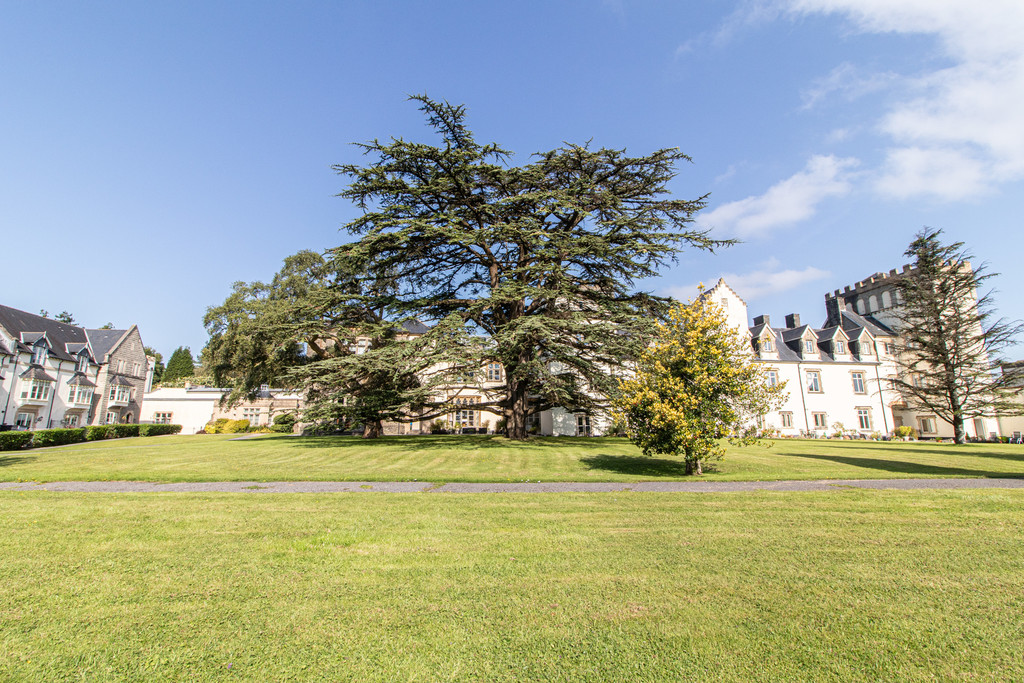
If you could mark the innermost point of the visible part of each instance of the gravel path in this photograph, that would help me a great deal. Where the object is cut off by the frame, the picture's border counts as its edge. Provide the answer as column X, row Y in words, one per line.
column 518, row 487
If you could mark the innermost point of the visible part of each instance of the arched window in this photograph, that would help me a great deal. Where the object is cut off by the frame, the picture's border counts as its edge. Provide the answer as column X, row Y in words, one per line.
column 860, row 306
column 886, row 299
column 872, row 303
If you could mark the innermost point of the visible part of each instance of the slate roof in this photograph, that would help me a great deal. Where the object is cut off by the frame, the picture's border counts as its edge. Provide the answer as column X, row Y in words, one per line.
column 120, row 381
column 783, row 336
column 415, row 327
column 854, row 322
column 794, row 333
column 59, row 334
column 36, row 372
column 103, row 342
column 81, row 380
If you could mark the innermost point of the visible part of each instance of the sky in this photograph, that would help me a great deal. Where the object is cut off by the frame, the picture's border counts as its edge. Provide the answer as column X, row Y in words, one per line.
column 153, row 153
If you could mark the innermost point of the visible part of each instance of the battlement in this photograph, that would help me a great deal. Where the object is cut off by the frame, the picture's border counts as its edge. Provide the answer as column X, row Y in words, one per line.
column 870, row 283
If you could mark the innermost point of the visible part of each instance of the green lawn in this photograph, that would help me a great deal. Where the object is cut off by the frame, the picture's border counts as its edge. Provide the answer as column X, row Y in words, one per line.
column 483, row 458
column 844, row 586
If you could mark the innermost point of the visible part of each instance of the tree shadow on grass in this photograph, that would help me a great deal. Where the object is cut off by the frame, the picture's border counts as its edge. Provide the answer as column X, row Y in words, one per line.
column 974, row 450
column 7, row 460
column 641, row 466
column 904, row 467
column 443, row 442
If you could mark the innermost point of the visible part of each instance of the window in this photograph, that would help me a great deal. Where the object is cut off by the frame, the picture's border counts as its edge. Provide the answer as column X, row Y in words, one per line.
column 864, row 418
column 787, row 419
column 725, row 304
column 840, row 346
column 773, row 377
column 766, row 345
column 864, row 347
column 83, row 363
column 24, row 420
column 77, row 394
column 917, row 380
column 927, row 425
column 162, row 418
column 39, row 390
column 583, row 424
column 494, row 372
column 111, row 418
column 136, row 369
column 808, row 346
column 466, row 417
column 70, row 421
column 858, row 382
column 820, row 420
column 38, row 354
column 252, row 415
column 890, row 348
column 121, row 394
column 533, row 423
column 814, row 381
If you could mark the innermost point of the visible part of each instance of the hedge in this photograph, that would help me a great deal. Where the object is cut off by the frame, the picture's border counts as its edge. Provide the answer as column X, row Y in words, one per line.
column 14, row 441
column 158, row 429
column 57, row 437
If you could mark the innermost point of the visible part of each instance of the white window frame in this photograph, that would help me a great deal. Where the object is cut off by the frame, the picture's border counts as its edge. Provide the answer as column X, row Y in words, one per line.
column 821, row 423
column 111, row 418
column 584, row 427
column 840, row 347
column 494, row 372
column 766, row 345
column 809, row 346
column 927, row 425
column 162, row 418
column 864, row 418
column 813, row 381
column 786, row 419
column 773, row 378
column 857, row 378
column 24, row 420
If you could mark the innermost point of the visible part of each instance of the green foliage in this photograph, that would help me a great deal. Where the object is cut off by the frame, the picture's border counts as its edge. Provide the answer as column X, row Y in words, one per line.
column 951, row 342
column 223, row 425
column 904, row 431
column 541, row 258
column 65, row 317
column 14, row 441
column 694, row 386
column 158, row 429
column 57, row 437
column 180, row 366
column 98, row 432
column 107, row 326
column 121, row 431
column 284, row 423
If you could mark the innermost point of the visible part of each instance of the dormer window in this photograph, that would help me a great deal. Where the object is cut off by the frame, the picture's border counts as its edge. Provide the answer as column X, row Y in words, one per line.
column 864, row 347
column 83, row 363
column 38, row 354
column 766, row 345
column 808, row 346
column 840, row 346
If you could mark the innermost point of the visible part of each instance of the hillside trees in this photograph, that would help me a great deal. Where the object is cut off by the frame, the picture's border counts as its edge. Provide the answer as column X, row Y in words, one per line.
column 951, row 341
column 540, row 259
column 694, row 386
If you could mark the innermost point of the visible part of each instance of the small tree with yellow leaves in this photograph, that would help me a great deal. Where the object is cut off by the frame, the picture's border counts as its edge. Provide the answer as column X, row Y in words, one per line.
column 694, row 386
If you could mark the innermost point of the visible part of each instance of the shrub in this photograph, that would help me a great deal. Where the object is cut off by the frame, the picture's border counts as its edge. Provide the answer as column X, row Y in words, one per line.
column 236, row 426
column 14, row 441
column 438, row 427
column 158, row 429
column 121, row 431
column 284, row 423
column 57, row 437
column 98, row 432
column 904, row 431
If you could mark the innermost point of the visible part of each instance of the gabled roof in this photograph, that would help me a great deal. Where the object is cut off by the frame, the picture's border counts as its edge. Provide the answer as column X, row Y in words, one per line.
column 761, row 330
column 796, row 333
column 852, row 321
column 415, row 327
column 102, row 342
column 120, row 381
column 75, row 347
column 31, row 338
column 832, row 332
column 722, row 283
column 23, row 325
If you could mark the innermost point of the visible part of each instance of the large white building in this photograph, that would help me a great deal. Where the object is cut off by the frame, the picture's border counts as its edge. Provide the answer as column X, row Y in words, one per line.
column 53, row 374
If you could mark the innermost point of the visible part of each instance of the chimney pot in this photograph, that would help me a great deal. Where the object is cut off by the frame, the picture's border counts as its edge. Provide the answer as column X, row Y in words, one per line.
column 793, row 320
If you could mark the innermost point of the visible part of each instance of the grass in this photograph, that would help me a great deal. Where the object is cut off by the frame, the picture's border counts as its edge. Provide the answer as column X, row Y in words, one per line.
column 486, row 458
column 845, row 586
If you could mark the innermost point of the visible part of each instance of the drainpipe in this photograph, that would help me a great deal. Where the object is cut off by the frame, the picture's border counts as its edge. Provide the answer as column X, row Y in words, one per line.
column 881, row 396
column 803, row 400
column 14, row 377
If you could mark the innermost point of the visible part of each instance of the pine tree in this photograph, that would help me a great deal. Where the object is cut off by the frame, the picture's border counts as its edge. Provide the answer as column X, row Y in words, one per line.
column 950, row 346
column 180, row 365
column 539, row 259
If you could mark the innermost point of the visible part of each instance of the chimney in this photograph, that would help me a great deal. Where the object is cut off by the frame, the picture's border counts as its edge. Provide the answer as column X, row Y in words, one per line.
column 834, row 307
column 763, row 320
column 793, row 320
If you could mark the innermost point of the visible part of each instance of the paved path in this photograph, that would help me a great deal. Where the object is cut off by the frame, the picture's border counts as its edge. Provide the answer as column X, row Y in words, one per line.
column 518, row 487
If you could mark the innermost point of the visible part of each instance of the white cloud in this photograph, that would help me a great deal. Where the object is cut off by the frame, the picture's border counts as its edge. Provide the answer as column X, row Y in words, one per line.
column 966, row 113
column 764, row 281
column 849, row 82
column 789, row 201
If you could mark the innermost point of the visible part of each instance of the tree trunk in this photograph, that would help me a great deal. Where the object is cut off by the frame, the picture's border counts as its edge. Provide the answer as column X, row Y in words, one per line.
column 959, row 431
column 373, row 429
column 692, row 464
column 515, row 415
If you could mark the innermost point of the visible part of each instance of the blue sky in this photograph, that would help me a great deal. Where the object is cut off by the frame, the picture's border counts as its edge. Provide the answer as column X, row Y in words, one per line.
column 153, row 153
